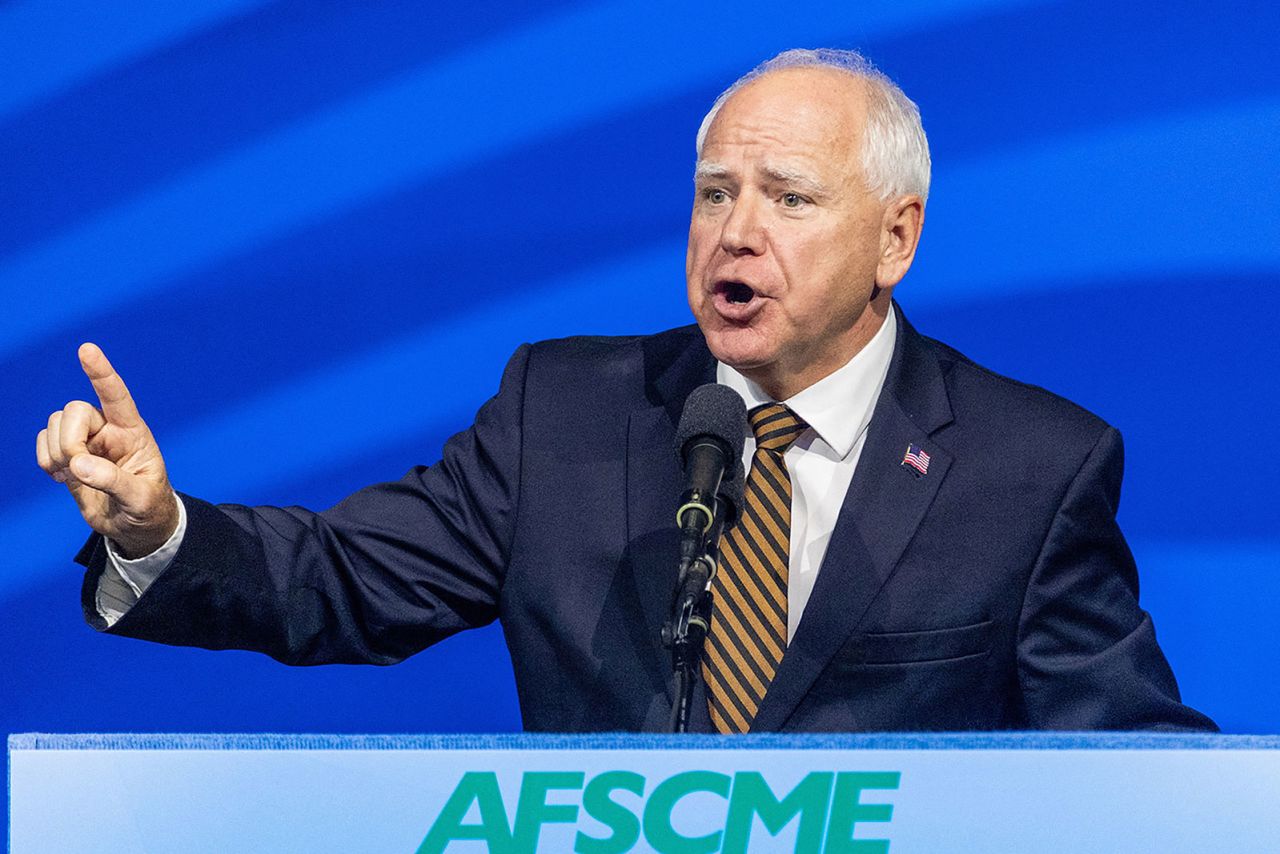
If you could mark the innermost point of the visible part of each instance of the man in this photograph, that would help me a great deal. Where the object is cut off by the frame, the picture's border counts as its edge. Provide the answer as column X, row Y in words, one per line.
column 925, row 545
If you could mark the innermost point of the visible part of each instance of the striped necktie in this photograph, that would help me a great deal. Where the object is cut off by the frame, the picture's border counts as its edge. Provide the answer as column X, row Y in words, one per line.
column 749, row 629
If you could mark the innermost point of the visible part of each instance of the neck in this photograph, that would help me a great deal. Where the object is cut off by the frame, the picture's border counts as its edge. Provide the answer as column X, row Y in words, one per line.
column 782, row 383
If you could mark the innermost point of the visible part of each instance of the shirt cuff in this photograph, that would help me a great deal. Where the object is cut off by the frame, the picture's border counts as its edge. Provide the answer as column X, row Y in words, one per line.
column 123, row 581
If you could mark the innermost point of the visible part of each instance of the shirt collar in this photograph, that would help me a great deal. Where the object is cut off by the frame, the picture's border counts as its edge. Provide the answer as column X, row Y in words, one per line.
column 838, row 407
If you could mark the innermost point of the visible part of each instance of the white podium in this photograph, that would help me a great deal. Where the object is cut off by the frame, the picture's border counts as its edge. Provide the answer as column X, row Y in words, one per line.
column 1032, row 792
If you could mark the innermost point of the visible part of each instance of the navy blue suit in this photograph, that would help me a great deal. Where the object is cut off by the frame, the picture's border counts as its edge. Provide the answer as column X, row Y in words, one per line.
column 996, row 591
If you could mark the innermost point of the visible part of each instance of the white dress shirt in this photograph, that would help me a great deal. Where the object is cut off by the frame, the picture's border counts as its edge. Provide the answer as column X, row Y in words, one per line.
column 821, row 461
column 837, row 409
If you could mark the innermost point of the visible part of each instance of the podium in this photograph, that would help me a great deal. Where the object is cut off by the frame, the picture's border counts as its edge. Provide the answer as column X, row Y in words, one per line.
column 1007, row 792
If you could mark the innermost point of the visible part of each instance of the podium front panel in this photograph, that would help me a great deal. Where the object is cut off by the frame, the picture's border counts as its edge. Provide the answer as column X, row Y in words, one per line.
column 1021, row 793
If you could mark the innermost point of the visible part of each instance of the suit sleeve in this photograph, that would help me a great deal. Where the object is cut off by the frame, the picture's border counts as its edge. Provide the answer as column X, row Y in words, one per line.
column 1087, row 653
column 381, row 575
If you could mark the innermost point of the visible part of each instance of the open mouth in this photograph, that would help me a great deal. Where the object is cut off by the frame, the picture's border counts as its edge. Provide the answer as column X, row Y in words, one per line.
column 736, row 292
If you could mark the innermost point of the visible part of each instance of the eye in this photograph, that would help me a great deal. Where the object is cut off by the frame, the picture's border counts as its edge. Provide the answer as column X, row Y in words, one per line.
column 792, row 200
column 715, row 195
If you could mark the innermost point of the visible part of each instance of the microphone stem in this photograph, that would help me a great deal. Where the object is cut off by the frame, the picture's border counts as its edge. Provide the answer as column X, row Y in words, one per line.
column 691, row 617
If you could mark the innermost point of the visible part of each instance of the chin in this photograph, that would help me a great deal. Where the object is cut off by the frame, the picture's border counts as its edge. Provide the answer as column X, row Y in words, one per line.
column 740, row 348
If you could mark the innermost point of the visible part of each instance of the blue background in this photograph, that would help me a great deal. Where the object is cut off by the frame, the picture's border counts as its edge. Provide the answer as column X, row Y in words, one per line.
column 310, row 234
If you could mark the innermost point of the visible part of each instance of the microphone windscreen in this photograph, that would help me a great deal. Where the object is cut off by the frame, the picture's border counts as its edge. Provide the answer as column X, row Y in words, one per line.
column 717, row 411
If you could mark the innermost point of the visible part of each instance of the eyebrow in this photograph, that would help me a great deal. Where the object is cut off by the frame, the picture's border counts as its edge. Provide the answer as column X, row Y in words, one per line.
column 796, row 179
column 705, row 169
column 709, row 170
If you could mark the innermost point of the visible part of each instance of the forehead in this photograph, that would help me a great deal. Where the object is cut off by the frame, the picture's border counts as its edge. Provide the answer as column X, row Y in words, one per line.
column 808, row 116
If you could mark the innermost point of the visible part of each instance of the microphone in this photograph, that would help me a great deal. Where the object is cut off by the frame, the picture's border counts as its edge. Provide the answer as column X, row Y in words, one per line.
column 732, row 489
column 709, row 440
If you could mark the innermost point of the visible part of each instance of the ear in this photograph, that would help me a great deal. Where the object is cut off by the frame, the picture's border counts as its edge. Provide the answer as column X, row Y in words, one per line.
column 899, row 236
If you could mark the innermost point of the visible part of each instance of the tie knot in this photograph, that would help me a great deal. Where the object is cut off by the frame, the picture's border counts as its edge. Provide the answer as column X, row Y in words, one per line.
column 775, row 427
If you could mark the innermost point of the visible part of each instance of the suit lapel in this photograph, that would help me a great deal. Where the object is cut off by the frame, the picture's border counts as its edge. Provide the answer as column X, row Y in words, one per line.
column 653, row 484
column 885, row 504
column 674, row 366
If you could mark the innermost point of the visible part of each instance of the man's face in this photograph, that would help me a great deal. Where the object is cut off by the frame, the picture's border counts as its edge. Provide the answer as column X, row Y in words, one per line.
column 785, row 239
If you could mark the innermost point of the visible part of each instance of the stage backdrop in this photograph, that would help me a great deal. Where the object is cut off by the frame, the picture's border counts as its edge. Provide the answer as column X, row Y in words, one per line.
column 310, row 234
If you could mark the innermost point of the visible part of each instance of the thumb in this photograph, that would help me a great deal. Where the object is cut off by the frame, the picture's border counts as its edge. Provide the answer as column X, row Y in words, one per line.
column 106, row 476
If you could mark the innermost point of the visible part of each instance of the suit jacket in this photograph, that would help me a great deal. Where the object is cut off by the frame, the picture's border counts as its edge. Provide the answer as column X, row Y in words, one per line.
column 995, row 591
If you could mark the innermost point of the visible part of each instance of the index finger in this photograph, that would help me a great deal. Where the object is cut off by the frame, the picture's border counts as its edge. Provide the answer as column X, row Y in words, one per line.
column 117, row 404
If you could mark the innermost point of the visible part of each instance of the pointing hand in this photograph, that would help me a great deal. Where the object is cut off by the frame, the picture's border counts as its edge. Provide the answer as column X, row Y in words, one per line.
column 110, row 462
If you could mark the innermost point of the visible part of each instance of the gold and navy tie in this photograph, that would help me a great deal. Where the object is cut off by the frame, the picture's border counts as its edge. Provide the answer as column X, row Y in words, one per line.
column 749, row 629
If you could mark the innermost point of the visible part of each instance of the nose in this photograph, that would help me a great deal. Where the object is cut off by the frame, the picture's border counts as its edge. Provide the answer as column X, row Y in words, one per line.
column 743, row 232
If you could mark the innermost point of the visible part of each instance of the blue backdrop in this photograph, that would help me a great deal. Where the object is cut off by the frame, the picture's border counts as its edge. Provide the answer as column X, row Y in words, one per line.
column 310, row 234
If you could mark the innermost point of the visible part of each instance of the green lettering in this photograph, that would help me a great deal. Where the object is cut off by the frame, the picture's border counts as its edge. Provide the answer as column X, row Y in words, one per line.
column 657, row 813
column 846, row 811
column 533, row 811
column 622, row 821
column 751, row 796
column 481, row 788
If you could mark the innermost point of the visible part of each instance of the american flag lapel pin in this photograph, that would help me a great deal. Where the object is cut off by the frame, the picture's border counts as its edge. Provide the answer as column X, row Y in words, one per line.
column 917, row 459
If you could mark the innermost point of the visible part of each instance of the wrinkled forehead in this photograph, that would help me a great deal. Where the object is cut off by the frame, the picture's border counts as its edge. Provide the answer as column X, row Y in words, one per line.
column 794, row 119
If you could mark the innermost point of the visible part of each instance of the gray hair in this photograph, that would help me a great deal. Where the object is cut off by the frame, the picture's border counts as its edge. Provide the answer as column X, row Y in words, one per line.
column 895, row 152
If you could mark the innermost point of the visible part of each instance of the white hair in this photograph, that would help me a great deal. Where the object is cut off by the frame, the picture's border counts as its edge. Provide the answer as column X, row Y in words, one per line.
column 895, row 152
